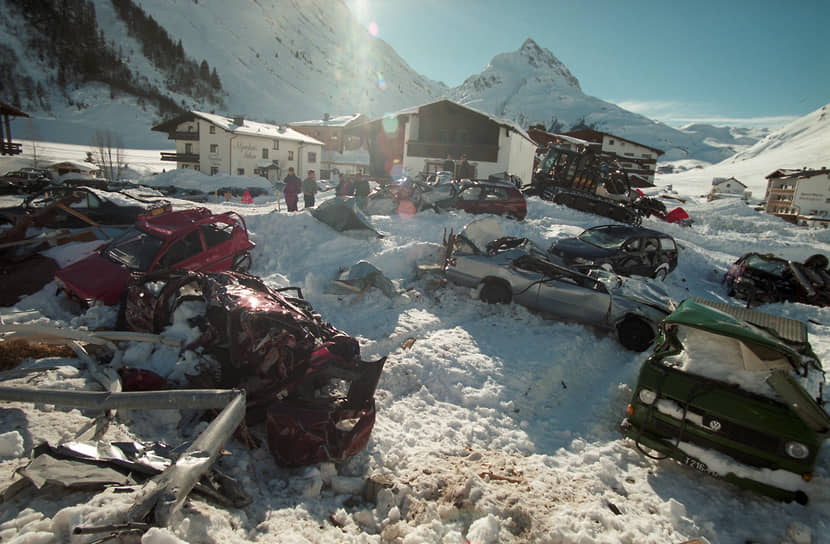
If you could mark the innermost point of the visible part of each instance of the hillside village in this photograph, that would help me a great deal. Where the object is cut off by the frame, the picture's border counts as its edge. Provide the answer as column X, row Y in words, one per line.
column 230, row 314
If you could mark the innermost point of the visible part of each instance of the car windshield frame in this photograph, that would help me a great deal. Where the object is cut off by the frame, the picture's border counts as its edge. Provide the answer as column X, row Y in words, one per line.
column 135, row 250
column 602, row 238
column 768, row 265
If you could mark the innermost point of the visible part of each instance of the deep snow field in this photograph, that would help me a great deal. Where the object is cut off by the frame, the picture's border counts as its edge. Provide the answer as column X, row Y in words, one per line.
column 496, row 425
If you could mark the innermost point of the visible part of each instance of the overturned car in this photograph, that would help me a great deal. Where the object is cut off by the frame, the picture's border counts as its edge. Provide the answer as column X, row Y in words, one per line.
column 764, row 278
column 509, row 269
column 302, row 376
column 735, row 393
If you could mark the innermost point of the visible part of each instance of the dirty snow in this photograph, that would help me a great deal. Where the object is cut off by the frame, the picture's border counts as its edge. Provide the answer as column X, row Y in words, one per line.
column 495, row 425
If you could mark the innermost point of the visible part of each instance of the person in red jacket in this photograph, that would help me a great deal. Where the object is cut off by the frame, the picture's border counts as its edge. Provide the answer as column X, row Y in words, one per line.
column 292, row 189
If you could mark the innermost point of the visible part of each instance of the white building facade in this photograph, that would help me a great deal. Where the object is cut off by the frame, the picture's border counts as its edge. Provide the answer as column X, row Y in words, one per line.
column 801, row 196
column 214, row 144
column 728, row 187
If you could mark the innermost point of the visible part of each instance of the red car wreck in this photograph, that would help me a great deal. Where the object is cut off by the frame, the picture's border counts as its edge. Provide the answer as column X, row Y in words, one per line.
column 304, row 377
column 192, row 239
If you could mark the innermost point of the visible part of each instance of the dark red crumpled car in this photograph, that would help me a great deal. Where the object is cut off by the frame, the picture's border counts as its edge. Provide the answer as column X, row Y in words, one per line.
column 304, row 377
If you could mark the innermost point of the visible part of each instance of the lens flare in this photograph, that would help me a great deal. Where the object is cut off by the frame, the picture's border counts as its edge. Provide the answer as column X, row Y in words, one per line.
column 381, row 82
column 390, row 124
column 373, row 29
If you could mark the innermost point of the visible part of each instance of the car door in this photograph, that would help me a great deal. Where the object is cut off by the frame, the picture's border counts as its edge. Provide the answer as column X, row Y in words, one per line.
column 650, row 256
column 630, row 257
column 575, row 297
column 219, row 246
column 469, row 199
column 184, row 253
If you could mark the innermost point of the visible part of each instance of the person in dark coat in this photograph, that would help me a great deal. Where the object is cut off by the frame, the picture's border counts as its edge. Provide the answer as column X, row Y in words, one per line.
column 465, row 169
column 292, row 189
column 449, row 165
column 309, row 189
column 361, row 191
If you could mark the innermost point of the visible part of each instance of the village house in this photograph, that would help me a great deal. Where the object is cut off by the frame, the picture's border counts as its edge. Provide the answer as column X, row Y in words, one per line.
column 214, row 144
column 342, row 151
column 418, row 139
column 726, row 188
column 799, row 196
column 637, row 160
column 7, row 146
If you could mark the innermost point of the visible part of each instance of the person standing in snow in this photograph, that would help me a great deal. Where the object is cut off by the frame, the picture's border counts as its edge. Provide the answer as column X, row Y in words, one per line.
column 465, row 169
column 449, row 165
column 344, row 188
column 361, row 191
column 291, row 190
column 309, row 190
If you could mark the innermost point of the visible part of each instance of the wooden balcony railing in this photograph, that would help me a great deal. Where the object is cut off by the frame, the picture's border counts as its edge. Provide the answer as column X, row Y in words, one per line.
column 10, row 148
column 185, row 135
column 439, row 150
column 180, row 157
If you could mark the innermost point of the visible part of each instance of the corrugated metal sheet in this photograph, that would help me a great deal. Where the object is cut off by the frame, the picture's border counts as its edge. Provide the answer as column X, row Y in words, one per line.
column 785, row 328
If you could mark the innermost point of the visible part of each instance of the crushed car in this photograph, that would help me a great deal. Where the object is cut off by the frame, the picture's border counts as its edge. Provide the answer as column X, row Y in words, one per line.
column 629, row 250
column 408, row 196
column 735, row 393
column 303, row 377
column 191, row 239
column 58, row 207
column 510, row 269
column 764, row 278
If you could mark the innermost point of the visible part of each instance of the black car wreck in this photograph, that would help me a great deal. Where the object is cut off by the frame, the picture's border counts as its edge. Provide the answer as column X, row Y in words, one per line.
column 301, row 375
column 764, row 278
column 74, row 207
column 629, row 250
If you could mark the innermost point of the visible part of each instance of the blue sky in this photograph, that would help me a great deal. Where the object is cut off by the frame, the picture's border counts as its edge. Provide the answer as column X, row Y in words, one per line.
column 734, row 62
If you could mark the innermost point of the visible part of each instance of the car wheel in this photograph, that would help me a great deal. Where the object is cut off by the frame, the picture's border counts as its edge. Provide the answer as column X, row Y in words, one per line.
column 495, row 292
column 242, row 263
column 818, row 261
column 661, row 273
column 635, row 333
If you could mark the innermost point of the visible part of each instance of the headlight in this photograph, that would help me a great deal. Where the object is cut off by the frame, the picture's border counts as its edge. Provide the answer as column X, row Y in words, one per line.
column 647, row 396
column 796, row 450
column 580, row 260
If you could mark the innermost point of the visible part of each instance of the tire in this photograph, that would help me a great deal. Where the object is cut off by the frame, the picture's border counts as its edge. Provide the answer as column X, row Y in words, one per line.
column 495, row 292
column 661, row 273
column 817, row 261
column 635, row 333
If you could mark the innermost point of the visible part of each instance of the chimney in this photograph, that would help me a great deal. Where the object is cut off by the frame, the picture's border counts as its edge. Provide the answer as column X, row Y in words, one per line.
column 326, row 117
column 239, row 120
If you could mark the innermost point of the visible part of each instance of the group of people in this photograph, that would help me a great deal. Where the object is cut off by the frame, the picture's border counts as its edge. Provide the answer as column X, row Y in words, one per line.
column 464, row 170
column 346, row 186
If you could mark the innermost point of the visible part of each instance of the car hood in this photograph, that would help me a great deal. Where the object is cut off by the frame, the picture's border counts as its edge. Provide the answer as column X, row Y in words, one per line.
column 646, row 291
column 574, row 247
column 94, row 278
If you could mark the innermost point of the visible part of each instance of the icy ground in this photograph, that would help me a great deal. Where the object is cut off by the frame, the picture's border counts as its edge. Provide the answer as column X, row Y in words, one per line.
column 496, row 425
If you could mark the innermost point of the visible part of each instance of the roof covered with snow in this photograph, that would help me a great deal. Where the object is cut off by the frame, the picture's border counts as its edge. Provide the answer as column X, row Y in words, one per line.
column 238, row 125
column 342, row 121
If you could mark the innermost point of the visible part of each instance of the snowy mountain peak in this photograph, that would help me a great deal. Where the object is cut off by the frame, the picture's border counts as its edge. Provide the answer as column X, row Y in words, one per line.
column 543, row 60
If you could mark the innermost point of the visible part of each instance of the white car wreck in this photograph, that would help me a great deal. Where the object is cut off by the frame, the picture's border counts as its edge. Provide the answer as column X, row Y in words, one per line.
column 509, row 269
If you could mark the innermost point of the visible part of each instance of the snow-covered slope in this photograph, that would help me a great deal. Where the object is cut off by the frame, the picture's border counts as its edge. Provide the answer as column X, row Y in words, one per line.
column 291, row 60
column 803, row 143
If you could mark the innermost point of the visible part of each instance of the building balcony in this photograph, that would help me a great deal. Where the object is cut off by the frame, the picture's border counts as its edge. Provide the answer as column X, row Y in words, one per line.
column 180, row 157
column 439, row 150
column 185, row 135
column 10, row 148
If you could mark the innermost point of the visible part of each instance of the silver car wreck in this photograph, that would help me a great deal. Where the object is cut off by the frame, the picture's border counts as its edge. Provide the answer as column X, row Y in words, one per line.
column 509, row 269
